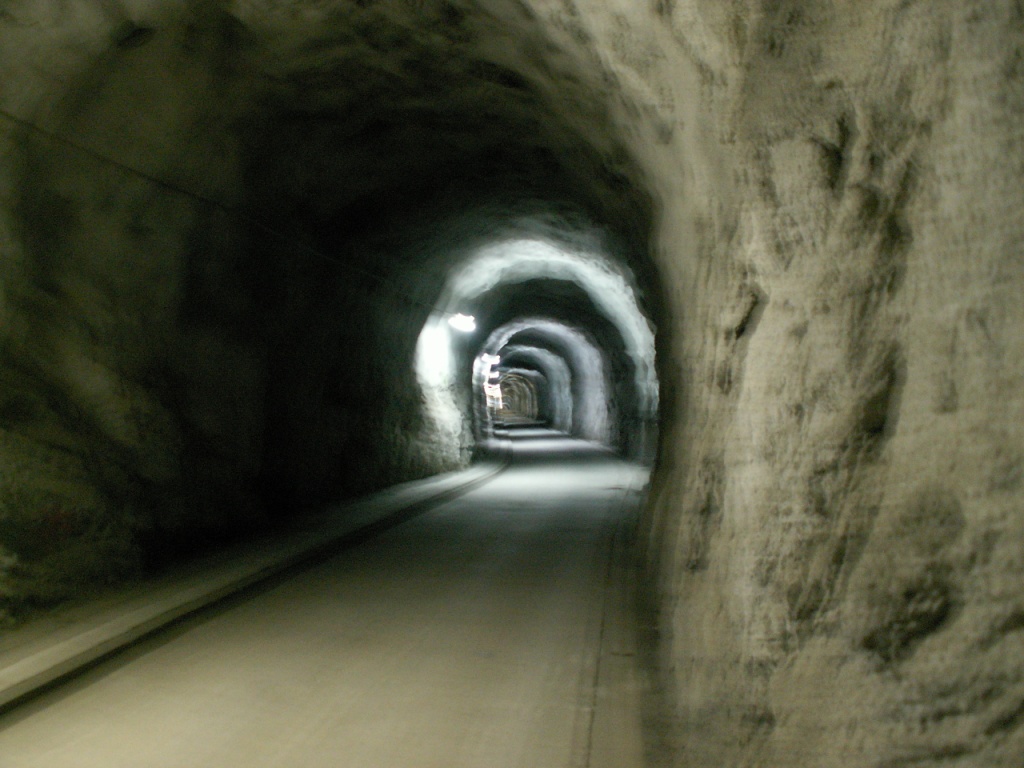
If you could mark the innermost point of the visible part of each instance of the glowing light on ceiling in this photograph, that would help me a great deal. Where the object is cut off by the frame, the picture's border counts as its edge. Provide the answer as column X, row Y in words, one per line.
column 489, row 361
column 461, row 322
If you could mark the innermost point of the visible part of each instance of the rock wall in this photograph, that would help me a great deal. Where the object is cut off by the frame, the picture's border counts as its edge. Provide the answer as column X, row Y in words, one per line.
column 173, row 376
column 131, row 386
column 834, row 531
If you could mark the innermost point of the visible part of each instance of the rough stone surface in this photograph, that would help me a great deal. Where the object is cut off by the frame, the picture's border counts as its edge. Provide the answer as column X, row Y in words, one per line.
column 839, row 538
column 821, row 202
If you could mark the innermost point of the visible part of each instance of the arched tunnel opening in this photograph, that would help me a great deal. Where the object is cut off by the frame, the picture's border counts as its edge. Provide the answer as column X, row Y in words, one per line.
column 519, row 398
column 573, row 314
column 259, row 256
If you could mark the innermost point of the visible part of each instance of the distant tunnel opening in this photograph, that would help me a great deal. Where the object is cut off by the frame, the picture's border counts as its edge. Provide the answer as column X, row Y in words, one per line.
column 519, row 400
column 571, row 316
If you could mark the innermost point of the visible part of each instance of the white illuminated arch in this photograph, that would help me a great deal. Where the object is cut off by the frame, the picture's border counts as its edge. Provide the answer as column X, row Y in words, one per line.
column 609, row 286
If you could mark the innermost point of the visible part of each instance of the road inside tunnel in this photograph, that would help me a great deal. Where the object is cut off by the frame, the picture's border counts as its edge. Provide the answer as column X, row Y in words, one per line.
column 493, row 630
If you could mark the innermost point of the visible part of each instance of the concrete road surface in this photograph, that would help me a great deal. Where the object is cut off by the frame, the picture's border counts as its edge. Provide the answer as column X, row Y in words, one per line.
column 488, row 632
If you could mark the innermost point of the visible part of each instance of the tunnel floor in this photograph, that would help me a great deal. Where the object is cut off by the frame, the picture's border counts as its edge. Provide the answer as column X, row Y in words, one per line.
column 493, row 630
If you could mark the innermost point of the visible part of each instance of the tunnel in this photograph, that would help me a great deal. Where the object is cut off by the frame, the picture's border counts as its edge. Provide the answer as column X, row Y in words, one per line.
column 260, row 256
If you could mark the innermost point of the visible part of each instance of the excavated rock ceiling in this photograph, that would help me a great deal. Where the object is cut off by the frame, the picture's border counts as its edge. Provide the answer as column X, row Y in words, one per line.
column 380, row 115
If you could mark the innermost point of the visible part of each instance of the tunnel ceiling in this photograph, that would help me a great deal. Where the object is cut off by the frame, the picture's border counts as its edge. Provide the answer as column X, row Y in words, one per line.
column 523, row 359
column 542, row 335
column 561, row 300
column 381, row 127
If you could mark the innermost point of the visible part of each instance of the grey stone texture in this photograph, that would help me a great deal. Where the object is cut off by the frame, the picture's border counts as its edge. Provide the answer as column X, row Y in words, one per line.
column 222, row 226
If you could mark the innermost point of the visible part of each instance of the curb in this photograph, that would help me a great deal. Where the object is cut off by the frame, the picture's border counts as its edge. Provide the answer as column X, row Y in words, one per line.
column 36, row 666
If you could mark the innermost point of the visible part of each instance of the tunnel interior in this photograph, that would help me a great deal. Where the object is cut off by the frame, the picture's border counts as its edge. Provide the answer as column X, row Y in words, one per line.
column 771, row 246
column 246, row 233
column 574, row 316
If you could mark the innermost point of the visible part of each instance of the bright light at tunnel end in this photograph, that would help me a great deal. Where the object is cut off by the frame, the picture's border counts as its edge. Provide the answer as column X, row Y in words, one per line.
column 461, row 322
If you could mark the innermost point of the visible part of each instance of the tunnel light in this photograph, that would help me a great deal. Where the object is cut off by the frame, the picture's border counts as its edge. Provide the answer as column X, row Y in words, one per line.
column 461, row 322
